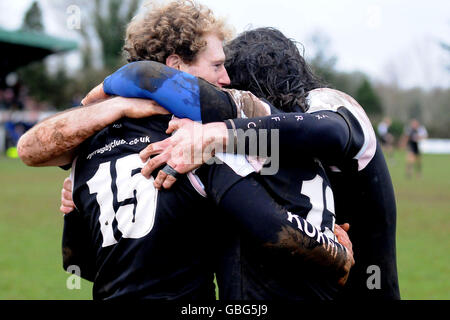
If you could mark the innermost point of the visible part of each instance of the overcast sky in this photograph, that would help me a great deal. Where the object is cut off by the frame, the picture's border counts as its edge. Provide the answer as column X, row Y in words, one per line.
column 387, row 39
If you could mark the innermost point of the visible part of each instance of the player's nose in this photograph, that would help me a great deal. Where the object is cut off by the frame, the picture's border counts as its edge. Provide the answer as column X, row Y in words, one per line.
column 224, row 79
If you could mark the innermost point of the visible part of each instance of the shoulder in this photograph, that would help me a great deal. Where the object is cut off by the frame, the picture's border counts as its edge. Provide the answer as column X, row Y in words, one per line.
column 326, row 99
column 330, row 99
column 247, row 104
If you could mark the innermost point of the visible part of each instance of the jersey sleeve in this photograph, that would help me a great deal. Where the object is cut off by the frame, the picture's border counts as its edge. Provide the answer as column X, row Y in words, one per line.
column 247, row 202
column 324, row 135
column 335, row 130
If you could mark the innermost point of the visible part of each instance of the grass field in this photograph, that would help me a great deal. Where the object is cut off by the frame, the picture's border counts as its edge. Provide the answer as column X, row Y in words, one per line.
column 31, row 226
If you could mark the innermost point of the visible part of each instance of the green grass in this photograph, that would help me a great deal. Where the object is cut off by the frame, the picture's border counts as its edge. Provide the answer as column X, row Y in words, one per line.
column 31, row 227
column 30, row 231
column 423, row 225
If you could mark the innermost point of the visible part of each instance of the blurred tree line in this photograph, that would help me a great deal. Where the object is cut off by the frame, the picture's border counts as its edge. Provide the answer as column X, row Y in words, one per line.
column 103, row 24
column 381, row 100
column 42, row 85
column 102, row 32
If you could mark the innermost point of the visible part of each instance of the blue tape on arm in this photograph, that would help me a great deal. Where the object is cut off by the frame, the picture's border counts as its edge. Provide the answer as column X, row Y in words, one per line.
column 174, row 90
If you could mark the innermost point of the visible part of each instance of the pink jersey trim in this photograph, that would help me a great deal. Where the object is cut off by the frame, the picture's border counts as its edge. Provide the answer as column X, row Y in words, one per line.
column 196, row 183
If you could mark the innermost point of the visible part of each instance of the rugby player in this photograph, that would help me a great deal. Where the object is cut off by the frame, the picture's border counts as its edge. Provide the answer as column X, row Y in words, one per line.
column 414, row 133
column 305, row 173
column 334, row 129
column 386, row 138
column 159, row 253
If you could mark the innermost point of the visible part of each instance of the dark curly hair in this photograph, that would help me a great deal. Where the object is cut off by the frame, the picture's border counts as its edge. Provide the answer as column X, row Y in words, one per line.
column 269, row 65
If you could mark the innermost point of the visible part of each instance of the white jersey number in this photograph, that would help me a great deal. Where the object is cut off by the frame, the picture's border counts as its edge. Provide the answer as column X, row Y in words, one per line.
column 135, row 218
column 313, row 189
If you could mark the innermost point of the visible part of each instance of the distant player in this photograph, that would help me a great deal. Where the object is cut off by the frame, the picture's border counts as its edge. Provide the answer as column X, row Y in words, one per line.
column 386, row 138
column 414, row 134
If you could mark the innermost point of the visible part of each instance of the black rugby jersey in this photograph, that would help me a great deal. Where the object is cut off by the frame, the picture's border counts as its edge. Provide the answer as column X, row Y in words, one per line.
column 336, row 130
column 145, row 243
column 260, row 218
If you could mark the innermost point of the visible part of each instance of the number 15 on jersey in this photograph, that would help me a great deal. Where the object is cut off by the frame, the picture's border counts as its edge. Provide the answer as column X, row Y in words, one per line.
column 135, row 195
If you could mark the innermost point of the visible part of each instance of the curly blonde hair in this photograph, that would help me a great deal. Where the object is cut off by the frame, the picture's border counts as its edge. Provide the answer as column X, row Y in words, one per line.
column 174, row 28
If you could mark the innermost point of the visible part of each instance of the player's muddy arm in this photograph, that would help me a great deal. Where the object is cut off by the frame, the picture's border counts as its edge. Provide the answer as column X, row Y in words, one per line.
column 53, row 141
column 278, row 230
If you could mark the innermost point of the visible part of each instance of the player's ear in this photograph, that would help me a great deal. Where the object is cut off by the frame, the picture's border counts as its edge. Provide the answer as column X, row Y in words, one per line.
column 174, row 61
